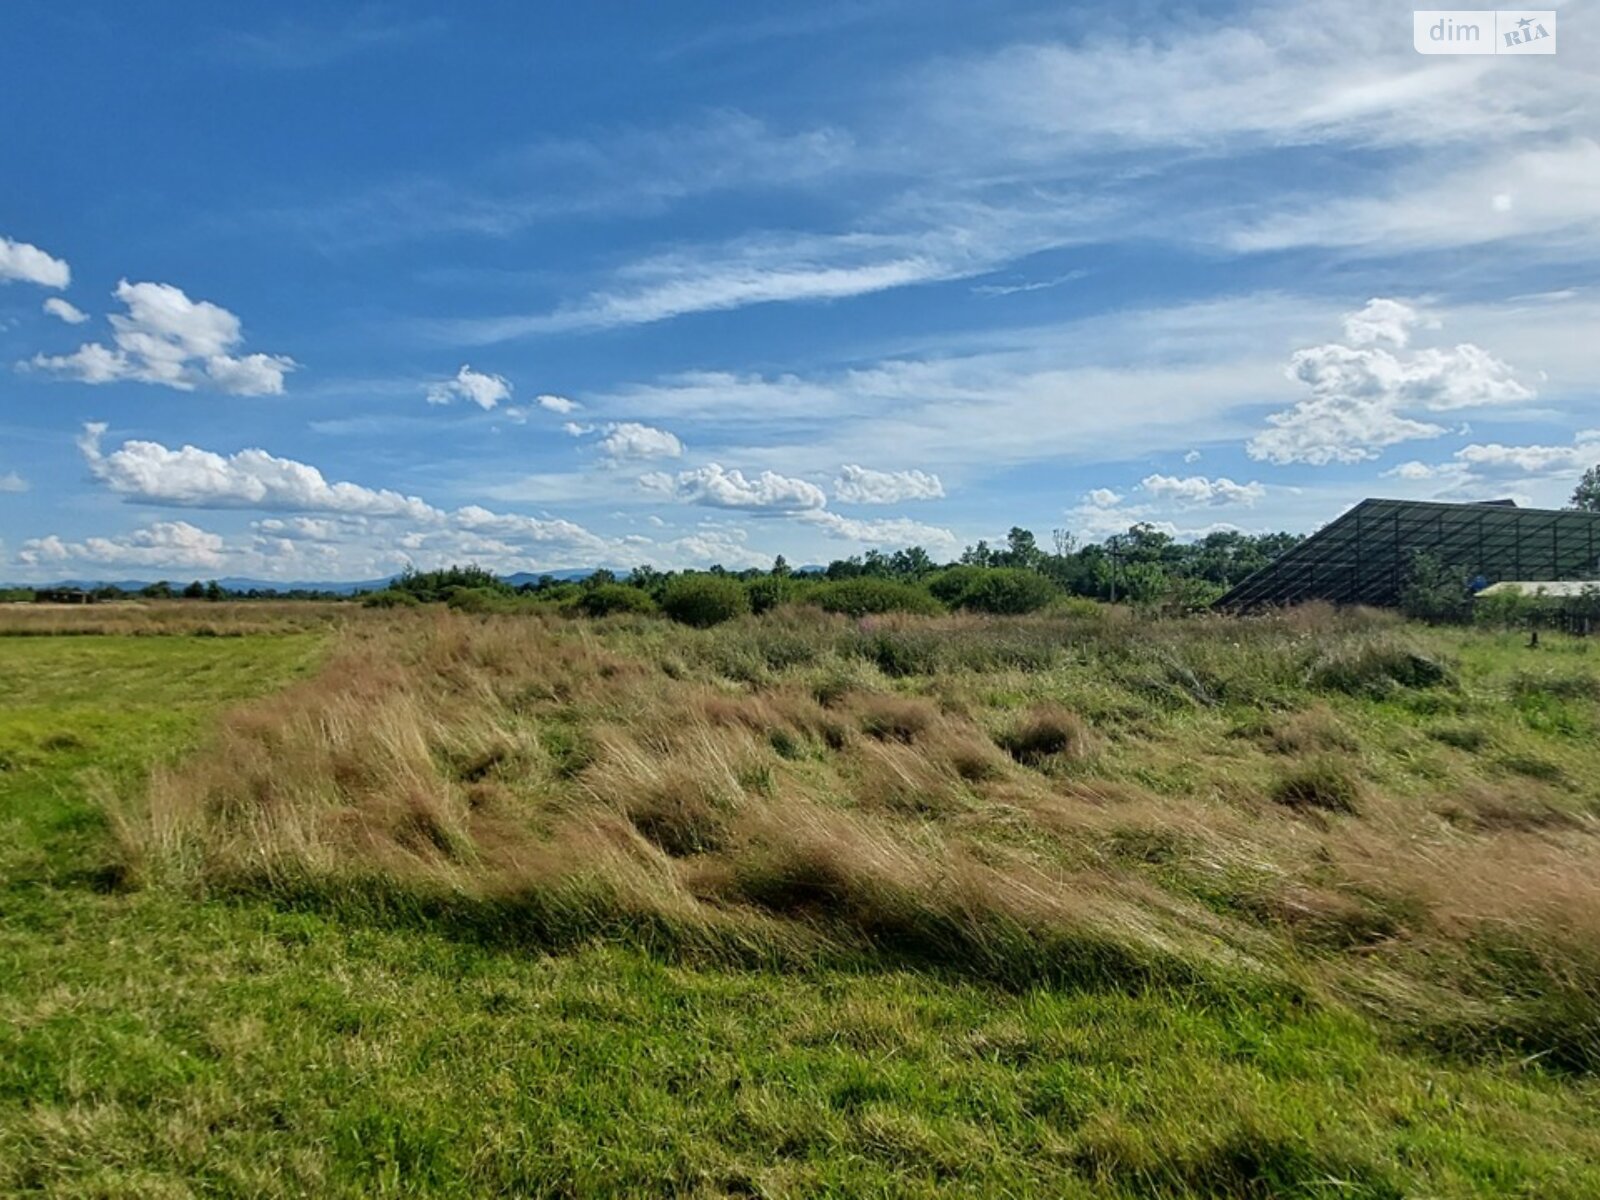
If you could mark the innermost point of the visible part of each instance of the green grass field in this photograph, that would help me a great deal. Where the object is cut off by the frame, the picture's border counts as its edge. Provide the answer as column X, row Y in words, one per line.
column 1312, row 981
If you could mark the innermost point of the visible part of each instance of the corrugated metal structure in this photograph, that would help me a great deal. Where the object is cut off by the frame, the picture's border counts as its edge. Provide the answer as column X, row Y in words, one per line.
column 1363, row 556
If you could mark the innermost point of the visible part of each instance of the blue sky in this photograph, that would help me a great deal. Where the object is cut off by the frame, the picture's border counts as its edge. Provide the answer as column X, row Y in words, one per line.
column 312, row 292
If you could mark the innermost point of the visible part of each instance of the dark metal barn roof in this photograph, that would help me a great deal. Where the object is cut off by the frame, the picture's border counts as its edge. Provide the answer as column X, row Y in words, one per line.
column 1362, row 557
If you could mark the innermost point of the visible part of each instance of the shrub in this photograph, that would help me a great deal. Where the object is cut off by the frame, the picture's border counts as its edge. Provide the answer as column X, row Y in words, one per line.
column 768, row 592
column 952, row 583
column 704, row 600
column 607, row 598
column 1434, row 591
column 478, row 600
column 1002, row 590
column 391, row 598
column 437, row 585
column 866, row 595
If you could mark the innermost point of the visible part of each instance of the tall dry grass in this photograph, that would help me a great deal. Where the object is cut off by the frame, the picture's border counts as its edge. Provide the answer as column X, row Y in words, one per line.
column 193, row 618
column 1206, row 803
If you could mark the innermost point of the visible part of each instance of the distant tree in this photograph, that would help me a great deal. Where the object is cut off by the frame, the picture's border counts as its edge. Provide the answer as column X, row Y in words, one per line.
column 1434, row 591
column 911, row 563
column 646, row 577
column 215, row 591
column 160, row 590
column 780, row 567
column 1586, row 496
column 1022, row 550
column 980, row 555
column 195, row 591
column 599, row 578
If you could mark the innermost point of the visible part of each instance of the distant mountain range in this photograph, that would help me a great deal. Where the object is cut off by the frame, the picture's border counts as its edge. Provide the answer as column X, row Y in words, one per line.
column 237, row 584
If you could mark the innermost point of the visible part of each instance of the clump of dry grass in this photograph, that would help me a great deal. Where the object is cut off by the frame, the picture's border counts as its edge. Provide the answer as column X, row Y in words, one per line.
column 1045, row 733
column 1326, row 783
column 564, row 781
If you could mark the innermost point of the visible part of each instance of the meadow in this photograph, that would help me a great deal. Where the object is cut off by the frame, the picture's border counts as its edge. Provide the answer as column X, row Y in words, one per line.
column 330, row 900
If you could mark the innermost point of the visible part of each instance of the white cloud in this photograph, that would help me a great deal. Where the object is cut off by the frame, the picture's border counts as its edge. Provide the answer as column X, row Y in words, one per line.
column 1414, row 470
column 718, row 488
column 150, row 473
column 485, row 391
column 1538, row 198
column 557, row 404
column 308, row 529
column 1192, row 456
column 1198, row 491
column 166, row 338
column 26, row 263
column 573, row 429
column 195, row 478
column 1381, row 321
column 1494, row 458
column 162, row 544
column 631, row 441
column 890, row 531
column 70, row 313
column 1360, row 393
column 862, row 485
column 1103, row 498
column 12, row 482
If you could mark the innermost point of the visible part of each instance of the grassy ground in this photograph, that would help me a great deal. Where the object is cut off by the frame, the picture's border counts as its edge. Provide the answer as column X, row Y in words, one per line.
column 799, row 907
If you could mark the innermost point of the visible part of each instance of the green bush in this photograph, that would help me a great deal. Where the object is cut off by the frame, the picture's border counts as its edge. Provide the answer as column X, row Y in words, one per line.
column 607, row 598
column 438, row 585
column 768, row 592
column 866, row 595
column 704, row 600
column 1008, row 591
column 479, row 600
column 391, row 598
column 950, row 584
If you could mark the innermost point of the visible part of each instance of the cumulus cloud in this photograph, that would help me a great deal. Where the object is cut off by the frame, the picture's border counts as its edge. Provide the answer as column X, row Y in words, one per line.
column 1497, row 463
column 307, row 529
column 336, row 514
column 484, row 390
column 1103, row 498
column 1198, row 491
column 194, row 478
column 715, row 487
column 70, row 313
column 1381, row 321
column 168, row 339
column 25, row 263
column 862, row 485
column 12, row 482
column 1494, row 458
column 163, row 544
column 557, row 404
column 890, row 531
column 629, row 440
column 1363, row 393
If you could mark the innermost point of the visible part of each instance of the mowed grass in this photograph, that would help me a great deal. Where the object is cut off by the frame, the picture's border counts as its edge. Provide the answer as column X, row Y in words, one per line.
column 423, row 1001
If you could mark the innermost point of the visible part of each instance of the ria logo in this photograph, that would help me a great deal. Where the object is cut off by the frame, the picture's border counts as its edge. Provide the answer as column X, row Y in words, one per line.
column 1484, row 31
